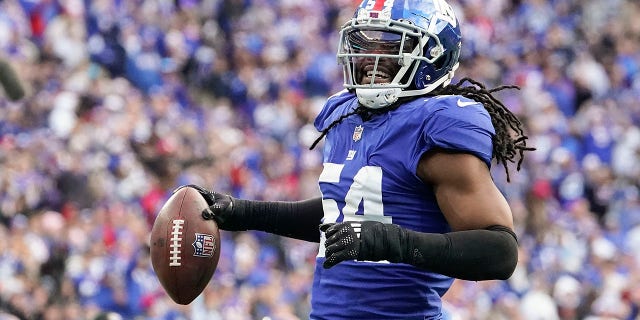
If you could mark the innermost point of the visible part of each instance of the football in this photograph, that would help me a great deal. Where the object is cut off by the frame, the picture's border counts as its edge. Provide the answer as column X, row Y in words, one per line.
column 185, row 247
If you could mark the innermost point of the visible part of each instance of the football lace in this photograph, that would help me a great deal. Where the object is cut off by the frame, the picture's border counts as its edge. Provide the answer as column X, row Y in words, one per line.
column 176, row 242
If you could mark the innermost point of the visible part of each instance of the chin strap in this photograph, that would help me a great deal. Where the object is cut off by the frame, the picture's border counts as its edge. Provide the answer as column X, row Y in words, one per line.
column 378, row 98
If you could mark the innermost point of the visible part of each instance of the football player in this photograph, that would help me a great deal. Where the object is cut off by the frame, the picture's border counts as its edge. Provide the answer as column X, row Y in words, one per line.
column 408, row 202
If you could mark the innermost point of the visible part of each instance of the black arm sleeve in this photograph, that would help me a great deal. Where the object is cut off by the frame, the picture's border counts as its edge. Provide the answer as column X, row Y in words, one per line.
column 485, row 254
column 296, row 219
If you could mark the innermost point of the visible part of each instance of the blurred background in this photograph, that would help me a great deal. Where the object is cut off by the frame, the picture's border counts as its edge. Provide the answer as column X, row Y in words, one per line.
column 125, row 100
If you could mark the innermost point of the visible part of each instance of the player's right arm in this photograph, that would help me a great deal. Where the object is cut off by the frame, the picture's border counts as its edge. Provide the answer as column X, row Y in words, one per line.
column 293, row 219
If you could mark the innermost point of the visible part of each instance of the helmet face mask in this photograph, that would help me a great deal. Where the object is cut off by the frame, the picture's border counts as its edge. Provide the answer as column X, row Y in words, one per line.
column 377, row 56
column 402, row 48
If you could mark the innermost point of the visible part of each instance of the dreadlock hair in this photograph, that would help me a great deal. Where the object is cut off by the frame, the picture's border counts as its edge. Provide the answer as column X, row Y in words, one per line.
column 509, row 141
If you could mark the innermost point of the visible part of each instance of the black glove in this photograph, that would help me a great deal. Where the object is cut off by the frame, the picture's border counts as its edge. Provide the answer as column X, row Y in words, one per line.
column 221, row 208
column 361, row 240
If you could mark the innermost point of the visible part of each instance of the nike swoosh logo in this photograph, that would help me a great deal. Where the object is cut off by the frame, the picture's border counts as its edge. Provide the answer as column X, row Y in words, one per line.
column 463, row 104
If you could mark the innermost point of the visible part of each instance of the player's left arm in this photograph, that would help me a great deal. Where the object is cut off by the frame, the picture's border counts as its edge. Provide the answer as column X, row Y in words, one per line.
column 482, row 245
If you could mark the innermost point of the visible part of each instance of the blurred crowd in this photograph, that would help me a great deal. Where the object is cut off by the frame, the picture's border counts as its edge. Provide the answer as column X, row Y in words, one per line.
column 128, row 99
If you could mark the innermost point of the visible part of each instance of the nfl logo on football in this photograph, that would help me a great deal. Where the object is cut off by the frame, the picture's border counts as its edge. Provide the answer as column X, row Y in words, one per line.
column 357, row 133
column 204, row 245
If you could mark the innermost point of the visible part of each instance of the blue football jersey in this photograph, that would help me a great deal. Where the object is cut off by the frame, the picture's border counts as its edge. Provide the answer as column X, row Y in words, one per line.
column 370, row 174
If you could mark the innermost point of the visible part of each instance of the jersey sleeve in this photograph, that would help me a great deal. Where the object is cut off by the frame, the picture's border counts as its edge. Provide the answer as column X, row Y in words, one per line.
column 457, row 124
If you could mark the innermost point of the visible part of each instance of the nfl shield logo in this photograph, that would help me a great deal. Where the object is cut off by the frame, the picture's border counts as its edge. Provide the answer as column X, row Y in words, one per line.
column 204, row 245
column 357, row 133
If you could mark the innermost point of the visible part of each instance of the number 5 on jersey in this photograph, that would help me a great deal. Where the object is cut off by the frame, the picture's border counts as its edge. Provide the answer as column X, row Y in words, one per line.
column 366, row 188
